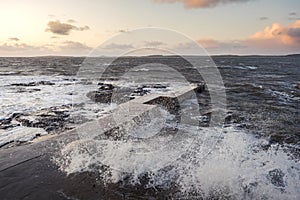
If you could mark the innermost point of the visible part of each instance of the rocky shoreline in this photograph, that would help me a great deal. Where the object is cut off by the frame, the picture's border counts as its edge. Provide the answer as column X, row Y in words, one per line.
column 57, row 119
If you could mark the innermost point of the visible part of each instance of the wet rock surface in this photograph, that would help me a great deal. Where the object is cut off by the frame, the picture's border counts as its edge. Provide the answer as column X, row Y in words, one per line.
column 103, row 94
column 276, row 177
column 31, row 84
column 40, row 179
column 109, row 93
column 53, row 120
column 140, row 91
column 298, row 85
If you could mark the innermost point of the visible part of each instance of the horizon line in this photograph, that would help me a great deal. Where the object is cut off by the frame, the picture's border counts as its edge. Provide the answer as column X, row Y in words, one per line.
column 154, row 55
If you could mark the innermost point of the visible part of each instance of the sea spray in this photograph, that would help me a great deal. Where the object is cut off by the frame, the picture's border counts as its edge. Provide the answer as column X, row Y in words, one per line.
column 238, row 166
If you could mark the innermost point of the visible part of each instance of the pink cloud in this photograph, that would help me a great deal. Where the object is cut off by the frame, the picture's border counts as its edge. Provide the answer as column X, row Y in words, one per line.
column 201, row 3
column 209, row 43
column 274, row 39
column 277, row 34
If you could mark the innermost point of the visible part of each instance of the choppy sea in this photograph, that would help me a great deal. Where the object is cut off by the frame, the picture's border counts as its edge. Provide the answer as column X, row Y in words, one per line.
column 256, row 152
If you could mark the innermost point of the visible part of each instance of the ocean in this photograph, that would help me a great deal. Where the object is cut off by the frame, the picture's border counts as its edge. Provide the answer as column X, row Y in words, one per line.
column 253, row 154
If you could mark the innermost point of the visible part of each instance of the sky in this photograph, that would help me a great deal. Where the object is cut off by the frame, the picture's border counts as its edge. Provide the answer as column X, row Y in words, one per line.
column 65, row 27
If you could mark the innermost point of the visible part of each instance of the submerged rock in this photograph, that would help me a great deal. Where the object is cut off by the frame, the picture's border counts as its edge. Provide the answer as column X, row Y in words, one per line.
column 103, row 94
column 298, row 85
column 51, row 120
column 100, row 96
column 104, row 86
column 31, row 84
column 200, row 87
column 276, row 177
column 6, row 122
column 140, row 92
column 155, row 86
column 23, row 90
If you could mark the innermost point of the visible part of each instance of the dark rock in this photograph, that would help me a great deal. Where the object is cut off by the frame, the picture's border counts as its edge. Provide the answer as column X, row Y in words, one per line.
column 15, row 115
column 100, row 96
column 155, row 86
column 104, row 86
column 200, row 87
column 31, row 84
column 53, row 120
column 5, row 122
column 22, row 90
column 276, row 177
column 144, row 89
column 298, row 85
column 140, row 92
column 45, row 83
column 71, row 93
column 24, row 84
column 4, row 126
column 104, row 93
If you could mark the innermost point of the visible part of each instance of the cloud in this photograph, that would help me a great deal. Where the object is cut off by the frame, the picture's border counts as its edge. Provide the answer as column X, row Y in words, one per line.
column 278, row 34
column 20, row 47
column 294, row 32
column 154, row 43
column 293, row 16
column 73, row 48
column 71, row 21
column 71, row 45
column 64, row 48
column 14, row 39
column 59, row 28
column 263, row 18
column 114, row 46
column 274, row 39
column 209, row 43
column 201, row 3
column 122, row 31
column 215, row 44
column 83, row 28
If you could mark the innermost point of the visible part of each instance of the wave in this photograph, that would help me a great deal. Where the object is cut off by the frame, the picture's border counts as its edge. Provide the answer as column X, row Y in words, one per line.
column 207, row 162
column 240, row 67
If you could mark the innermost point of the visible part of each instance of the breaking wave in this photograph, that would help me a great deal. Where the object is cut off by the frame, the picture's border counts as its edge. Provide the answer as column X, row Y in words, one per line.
column 213, row 162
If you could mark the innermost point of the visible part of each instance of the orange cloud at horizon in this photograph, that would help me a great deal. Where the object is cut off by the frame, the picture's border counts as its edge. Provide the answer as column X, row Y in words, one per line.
column 201, row 3
column 278, row 34
column 274, row 38
column 209, row 43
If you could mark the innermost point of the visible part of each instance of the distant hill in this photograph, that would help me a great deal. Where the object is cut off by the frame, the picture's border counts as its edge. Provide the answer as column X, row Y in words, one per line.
column 293, row 55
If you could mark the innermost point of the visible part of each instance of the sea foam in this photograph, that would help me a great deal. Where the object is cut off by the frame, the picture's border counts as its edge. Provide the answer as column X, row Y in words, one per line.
column 202, row 163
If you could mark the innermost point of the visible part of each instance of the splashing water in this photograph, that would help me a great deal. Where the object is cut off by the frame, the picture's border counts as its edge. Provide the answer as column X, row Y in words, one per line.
column 207, row 162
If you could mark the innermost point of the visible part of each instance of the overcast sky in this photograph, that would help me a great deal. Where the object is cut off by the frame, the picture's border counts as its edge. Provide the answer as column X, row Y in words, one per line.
column 65, row 27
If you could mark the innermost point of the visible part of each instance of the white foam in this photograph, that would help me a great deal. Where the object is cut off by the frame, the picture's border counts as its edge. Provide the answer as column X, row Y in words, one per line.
column 240, row 67
column 20, row 134
column 211, row 160
column 283, row 96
